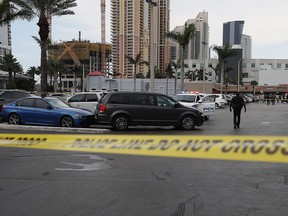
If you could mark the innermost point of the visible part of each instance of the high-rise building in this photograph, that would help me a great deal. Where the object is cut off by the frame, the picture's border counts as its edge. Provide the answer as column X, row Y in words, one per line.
column 163, row 24
column 5, row 39
column 199, row 45
column 246, row 44
column 232, row 32
column 131, row 26
column 127, row 34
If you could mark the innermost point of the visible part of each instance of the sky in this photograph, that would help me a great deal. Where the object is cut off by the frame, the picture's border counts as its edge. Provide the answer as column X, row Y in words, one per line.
column 265, row 22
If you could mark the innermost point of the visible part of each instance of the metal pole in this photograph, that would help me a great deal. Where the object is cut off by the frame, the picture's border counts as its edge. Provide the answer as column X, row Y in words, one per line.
column 83, row 78
column 238, row 76
column 204, row 67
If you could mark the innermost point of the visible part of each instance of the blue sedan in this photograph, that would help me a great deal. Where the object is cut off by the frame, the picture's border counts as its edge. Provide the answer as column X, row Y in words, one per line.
column 45, row 111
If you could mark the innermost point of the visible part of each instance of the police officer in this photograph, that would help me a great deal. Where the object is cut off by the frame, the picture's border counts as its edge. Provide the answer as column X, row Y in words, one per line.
column 237, row 103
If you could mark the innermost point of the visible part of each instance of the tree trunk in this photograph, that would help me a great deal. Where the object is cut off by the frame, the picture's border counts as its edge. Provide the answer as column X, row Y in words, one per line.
column 135, row 67
column 182, row 71
column 55, row 81
column 43, row 33
column 43, row 69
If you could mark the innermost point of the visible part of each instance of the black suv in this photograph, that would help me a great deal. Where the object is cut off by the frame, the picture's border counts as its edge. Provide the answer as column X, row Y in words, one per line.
column 122, row 109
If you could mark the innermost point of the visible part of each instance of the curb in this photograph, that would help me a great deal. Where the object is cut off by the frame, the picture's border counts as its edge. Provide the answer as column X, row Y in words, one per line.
column 6, row 126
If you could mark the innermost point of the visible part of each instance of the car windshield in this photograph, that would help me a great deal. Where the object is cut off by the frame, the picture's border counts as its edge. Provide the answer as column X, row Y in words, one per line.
column 185, row 98
column 56, row 103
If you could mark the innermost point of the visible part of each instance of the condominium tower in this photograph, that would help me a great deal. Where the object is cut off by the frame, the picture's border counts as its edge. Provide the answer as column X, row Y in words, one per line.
column 5, row 39
column 130, row 34
column 199, row 44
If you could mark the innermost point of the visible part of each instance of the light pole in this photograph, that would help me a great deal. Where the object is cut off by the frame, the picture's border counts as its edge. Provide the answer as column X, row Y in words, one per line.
column 204, row 67
column 152, row 52
column 238, row 75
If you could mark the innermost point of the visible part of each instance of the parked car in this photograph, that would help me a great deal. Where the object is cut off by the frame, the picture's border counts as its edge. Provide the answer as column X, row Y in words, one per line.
column 205, row 103
column 122, row 109
column 45, row 111
column 10, row 95
column 220, row 100
column 85, row 100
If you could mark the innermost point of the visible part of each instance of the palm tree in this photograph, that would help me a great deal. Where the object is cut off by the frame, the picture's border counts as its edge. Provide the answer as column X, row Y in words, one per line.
column 11, row 65
column 254, row 83
column 169, row 73
column 42, row 10
column 114, row 73
column 137, row 61
column 32, row 71
column 8, row 13
column 183, row 40
column 57, row 68
column 223, row 53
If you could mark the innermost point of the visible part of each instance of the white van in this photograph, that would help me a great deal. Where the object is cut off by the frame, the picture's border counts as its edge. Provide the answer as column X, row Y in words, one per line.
column 85, row 100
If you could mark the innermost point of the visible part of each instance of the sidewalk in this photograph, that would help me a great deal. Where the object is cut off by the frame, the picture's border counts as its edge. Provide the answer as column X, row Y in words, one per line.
column 91, row 129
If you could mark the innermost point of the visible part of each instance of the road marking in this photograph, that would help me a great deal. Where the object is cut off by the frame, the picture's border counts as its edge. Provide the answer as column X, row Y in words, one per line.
column 240, row 148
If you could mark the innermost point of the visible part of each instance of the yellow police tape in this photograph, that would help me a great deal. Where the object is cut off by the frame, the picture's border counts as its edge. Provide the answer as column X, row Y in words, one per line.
column 241, row 148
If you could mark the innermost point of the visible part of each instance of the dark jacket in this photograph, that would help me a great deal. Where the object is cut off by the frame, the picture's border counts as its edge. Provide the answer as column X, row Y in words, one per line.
column 237, row 102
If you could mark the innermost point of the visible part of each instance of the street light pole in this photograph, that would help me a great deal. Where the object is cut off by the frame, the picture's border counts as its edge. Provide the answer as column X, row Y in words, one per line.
column 204, row 67
column 238, row 75
column 152, row 51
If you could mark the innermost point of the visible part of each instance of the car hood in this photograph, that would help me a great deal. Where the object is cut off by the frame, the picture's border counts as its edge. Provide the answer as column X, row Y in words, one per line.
column 187, row 104
column 78, row 110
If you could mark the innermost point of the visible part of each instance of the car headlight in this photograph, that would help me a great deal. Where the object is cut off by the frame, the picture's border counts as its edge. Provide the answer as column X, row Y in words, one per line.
column 78, row 116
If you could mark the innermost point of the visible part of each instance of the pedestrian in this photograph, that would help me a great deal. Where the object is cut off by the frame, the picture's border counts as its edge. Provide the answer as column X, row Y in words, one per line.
column 237, row 103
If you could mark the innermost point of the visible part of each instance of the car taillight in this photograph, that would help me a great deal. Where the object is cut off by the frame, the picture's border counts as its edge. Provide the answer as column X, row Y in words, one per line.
column 102, row 108
column 2, row 108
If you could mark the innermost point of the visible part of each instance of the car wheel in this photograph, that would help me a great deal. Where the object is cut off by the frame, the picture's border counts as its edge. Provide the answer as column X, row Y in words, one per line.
column 66, row 121
column 14, row 119
column 187, row 123
column 120, row 122
column 207, row 117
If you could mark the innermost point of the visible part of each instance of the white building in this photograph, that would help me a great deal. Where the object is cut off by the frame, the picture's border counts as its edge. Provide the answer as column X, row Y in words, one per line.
column 5, row 40
column 199, row 45
column 265, row 71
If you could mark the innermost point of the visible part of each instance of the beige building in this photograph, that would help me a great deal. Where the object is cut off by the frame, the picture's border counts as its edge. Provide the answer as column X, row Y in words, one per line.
column 130, row 34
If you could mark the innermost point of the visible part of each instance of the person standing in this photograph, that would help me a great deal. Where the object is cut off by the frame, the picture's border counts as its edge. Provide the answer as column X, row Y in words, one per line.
column 237, row 103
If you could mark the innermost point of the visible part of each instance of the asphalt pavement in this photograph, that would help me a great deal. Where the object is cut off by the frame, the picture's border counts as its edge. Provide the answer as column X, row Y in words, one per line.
column 64, row 183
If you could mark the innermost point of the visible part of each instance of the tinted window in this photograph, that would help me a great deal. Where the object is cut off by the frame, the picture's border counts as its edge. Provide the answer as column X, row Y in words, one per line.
column 91, row 97
column 143, row 99
column 186, row 98
column 6, row 95
column 26, row 103
column 165, row 101
column 120, row 99
column 77, row 98
column 41, row 104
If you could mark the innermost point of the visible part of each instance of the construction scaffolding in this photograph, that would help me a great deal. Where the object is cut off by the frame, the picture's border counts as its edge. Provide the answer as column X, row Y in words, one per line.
column 89, row 55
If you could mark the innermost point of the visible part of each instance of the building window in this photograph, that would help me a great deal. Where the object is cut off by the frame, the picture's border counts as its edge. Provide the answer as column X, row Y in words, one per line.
column 244, row 65
column 194, row 66
column 252, row 65
column 286, row 65
column 278, row 65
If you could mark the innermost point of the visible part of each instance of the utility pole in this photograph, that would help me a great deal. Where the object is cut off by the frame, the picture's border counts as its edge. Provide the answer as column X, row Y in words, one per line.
column 204, row 67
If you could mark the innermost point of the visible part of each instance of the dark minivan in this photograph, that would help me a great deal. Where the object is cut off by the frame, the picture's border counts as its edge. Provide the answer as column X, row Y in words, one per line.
column 123, row 109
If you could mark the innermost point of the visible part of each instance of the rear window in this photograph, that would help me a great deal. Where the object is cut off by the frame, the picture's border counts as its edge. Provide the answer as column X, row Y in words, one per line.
column 91, row 97
column 120, row 99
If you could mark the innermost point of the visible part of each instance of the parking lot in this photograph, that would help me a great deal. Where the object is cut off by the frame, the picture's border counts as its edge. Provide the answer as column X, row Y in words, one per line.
column 45, row 182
